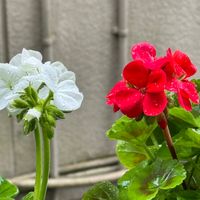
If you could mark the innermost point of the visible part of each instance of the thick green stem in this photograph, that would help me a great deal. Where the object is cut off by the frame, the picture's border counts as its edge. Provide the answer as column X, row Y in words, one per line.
column 38, row 163
column 46, row 164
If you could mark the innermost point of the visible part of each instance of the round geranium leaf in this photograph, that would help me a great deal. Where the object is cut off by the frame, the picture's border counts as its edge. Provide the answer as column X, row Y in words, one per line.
column 130, row 154
column 7, row 190
column 144, row 181
column 102, row 191
column 162, row 174
column 129, row 129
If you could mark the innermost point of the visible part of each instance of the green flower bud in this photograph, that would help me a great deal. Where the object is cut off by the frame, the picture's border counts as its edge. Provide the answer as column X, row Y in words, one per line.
column 51, row 120
column 53, row 110
column 19, row 103
column 48, row 129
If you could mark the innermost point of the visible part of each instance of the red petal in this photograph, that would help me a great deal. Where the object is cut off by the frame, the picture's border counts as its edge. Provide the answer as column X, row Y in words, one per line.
column 156, row 81
column 172, row 84
column 184, row 62
column 111, row 97
column 189, row 88
column 154, row 103
column 136, row 73
column 183, row 99
column 144, row 51
column 158, row 63
column 173, row 69
column 130, row 102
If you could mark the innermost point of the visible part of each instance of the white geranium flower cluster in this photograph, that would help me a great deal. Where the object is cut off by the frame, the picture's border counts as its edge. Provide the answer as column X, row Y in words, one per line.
column 26, row 69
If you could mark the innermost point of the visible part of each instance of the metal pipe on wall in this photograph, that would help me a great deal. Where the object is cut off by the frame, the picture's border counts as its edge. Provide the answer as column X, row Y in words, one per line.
column 121, row 30
column 5, row 45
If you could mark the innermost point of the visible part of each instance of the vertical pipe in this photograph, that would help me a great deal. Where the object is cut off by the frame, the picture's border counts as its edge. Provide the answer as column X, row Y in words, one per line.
column 47, row 48
column 47, row 35
column 5, row 44
column 123, row 31
column 6, row 58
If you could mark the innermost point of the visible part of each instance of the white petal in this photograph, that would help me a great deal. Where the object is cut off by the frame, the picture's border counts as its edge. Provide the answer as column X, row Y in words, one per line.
column 16, row 60
column 59, row 66
column 3, row 100
column 67, row 102
column 67, row 85
column 26, row 54
column 68, row 75
column 43, row 93
column 35, row 54
column 32, row 113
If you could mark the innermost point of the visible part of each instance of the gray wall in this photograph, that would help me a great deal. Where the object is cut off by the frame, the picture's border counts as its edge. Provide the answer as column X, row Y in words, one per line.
column 84, row 43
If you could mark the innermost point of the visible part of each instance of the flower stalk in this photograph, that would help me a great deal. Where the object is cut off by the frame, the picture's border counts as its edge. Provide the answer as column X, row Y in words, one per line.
column 46, row 164
column 162, row 122
column 38, row 163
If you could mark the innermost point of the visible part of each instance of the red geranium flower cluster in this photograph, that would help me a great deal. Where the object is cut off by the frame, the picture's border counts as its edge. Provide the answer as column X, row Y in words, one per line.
column 147, row 78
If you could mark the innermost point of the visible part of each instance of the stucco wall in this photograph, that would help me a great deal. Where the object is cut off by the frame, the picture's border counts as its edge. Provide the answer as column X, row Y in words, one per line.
column 85, row 44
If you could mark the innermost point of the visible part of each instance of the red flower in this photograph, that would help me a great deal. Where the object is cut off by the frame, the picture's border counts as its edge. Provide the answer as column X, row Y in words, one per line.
column 178, row 69
column 142, row 91
column 147, row 53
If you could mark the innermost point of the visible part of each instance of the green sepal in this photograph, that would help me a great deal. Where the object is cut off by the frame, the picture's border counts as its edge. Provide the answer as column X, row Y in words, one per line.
column 28, row 91
column 29, row 126
column 34, row 94
column 21, row 115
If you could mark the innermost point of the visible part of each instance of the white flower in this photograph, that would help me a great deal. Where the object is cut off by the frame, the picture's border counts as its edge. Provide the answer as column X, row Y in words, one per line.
column 62, row 83
column 26, row 69
column 29, row 61
column 32, row 114
column 9, row 84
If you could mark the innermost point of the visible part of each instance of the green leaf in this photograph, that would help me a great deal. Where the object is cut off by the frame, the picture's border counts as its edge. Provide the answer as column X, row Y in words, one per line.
column 188, row 195
column 183, row 117
column 7, row 190
column 130, row 154
column 102, row 191
column 29, row 196
column 189, row 138
column 128, row 129
column 144, row 181
column 197, row 83
column 186, row 142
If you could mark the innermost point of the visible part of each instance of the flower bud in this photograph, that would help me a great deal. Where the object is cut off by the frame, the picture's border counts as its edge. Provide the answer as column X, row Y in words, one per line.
column 51, row 120
column 19, row 103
